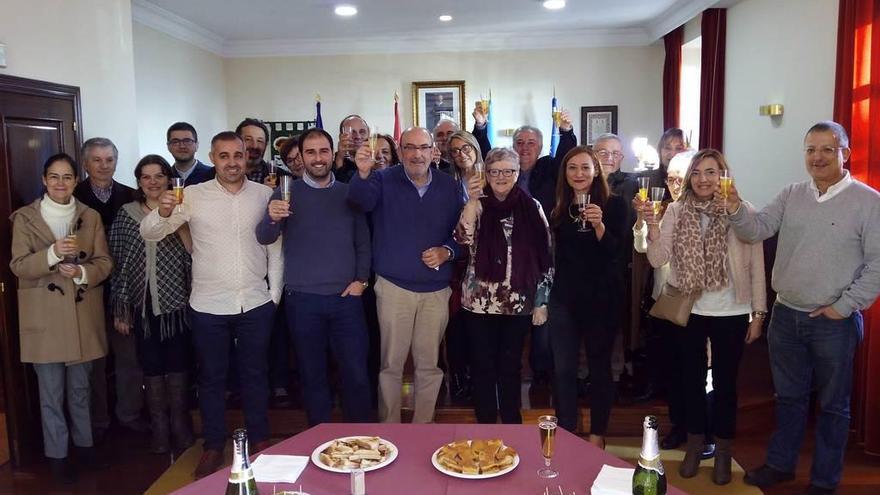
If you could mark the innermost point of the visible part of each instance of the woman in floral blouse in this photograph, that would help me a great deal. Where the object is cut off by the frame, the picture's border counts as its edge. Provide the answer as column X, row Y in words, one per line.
column 506, row 284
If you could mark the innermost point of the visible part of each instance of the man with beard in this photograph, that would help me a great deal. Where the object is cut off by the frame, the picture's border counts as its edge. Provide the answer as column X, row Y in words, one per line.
column 353, row 133
column 414, row 212
column 183, row 142
column 255, row 135
column 230, row 299
column 323, row 300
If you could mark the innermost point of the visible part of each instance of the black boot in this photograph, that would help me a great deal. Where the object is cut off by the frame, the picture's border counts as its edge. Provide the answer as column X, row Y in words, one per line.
column 157, row 404
column 180, row 419
column 62, row 471
column 723, row 454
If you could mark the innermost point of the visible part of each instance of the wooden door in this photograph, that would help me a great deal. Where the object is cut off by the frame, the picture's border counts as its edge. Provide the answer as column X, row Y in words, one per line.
column 37, row 120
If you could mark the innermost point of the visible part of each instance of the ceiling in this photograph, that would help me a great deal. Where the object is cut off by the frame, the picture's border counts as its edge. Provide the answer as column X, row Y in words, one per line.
column 233, row 28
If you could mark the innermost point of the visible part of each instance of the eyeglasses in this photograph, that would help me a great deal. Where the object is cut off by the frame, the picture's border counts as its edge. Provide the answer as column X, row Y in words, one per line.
column 182, row 142
column 606, row 154
column 464, row 149
column 506, row 172
column 825, row 151
column 425, row 148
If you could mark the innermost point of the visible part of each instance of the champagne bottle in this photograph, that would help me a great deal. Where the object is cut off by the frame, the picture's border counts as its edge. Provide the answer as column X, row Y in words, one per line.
column 649, row 477
column 241, row 477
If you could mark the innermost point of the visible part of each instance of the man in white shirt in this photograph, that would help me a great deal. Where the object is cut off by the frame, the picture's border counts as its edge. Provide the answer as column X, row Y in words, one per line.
column 230, row 298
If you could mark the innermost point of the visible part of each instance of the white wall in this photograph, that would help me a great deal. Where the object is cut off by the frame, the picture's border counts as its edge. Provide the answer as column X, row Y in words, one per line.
column 176, row 81
column 779, row 51
column 521, row 82
column 87, row 43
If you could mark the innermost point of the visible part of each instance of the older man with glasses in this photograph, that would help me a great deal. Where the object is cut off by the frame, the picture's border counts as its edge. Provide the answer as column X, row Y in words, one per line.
column 183, row 142
column 414, row 213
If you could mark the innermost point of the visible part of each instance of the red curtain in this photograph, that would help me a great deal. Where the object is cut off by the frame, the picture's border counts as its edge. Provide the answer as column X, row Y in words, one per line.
column 672, row 77
column 857, row 108
column 714, row 32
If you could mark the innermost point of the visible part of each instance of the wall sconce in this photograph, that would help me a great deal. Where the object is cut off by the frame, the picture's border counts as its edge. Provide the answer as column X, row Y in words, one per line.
column 772, row 110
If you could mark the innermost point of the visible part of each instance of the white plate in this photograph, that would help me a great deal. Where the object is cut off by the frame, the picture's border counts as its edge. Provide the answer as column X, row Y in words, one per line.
column 316, row 458
column 472, row 476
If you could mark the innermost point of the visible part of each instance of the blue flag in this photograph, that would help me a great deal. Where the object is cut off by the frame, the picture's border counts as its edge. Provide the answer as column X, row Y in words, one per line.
column 554, row 136
column 490, row 126
column 318, row 122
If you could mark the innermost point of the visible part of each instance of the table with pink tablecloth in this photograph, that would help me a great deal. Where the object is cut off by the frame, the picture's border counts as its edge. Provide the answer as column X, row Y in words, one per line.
column 412, row 473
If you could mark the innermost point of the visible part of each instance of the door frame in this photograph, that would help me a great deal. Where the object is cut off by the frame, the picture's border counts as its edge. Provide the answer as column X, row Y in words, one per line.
column 18, row 422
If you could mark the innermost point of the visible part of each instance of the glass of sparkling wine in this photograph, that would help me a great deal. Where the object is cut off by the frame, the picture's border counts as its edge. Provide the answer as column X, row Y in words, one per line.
column 71, row 236
column 349, row 131
column 285, row 188
column 657, row 194
column 484, row 105
column 583, row 199
column 374, row 141
column 273, row 164
column 557, row 116
column 726, row 181
column 480, row 172
column 644, row 184
column 547, row 429
column 177, row 187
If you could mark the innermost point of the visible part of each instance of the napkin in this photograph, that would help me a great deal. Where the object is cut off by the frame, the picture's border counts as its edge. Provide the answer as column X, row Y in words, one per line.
column 613, row 481
column 279, row 468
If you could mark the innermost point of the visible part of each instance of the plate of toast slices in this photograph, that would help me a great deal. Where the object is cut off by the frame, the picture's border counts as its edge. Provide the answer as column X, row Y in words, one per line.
column 342, row 455
column 475, row 459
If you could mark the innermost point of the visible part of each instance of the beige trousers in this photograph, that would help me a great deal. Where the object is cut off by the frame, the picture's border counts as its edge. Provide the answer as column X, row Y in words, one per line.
column 410, row 320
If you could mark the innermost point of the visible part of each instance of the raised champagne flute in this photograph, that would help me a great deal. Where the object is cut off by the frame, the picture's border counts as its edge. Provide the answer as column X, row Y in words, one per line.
column 644, row 184
column 177, row 187
column 484, row 105
column 557, row 117
column 285, row 188
column 583, row 199
column 726, row 181
column 349, row 131
column 657, row 194
column 480, row 172
column 547, row 426
column 374, row 141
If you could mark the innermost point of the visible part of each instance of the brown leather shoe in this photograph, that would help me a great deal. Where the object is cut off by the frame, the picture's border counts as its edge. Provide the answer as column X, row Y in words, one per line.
column 260, row 446
column 211, row 461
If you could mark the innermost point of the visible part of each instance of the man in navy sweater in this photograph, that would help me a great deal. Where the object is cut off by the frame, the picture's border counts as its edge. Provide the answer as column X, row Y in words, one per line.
column 327, row 264
column 183, row 142
column 414, row 212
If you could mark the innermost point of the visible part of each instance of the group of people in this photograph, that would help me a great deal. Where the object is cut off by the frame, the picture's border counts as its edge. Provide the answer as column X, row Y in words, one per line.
column 435, row 236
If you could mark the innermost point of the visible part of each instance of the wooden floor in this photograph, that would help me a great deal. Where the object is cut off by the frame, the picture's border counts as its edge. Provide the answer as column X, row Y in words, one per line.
column 133, row 469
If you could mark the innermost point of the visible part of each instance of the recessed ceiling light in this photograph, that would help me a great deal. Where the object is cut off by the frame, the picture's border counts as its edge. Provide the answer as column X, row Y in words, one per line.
column 445, row 18
column 554, row 4
column 345, row 10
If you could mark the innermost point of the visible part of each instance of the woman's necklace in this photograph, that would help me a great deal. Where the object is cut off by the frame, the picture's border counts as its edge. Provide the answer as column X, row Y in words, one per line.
column 574, row 218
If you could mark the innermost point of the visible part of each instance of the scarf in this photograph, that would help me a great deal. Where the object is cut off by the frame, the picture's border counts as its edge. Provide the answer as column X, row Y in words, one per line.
column 158, row 270
column 699, row 258
column 530, row 256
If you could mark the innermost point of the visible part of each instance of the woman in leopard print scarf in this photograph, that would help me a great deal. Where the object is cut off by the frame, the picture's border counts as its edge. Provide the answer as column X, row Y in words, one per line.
column 707, row 259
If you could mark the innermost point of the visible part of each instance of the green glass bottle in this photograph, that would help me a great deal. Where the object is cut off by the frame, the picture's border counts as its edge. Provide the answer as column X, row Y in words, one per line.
column 649, row 477
column 241, row 477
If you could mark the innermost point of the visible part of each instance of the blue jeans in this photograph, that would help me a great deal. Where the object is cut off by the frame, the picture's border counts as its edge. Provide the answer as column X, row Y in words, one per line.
column 335, row 323
column 212, row 337
column 801, row 348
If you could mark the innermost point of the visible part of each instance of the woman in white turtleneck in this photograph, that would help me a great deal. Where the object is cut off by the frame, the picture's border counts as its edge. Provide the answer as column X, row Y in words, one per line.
column 60, row 256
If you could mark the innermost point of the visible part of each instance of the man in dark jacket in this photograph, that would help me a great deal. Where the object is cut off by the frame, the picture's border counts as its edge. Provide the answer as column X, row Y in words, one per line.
column 183, row 142
column 104, row 195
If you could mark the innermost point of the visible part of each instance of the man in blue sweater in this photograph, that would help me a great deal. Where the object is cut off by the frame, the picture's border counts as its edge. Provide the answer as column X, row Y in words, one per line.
column 327, row 263
column 414, row 212
column 827, row 271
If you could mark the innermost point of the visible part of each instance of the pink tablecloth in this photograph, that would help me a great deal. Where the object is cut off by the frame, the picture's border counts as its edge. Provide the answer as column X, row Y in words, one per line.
column 412, row 473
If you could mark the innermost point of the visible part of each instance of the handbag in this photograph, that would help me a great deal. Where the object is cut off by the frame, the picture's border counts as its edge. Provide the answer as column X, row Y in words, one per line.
column 674, row 305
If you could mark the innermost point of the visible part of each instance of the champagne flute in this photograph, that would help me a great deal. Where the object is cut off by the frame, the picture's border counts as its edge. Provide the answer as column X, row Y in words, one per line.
column 273, row 164
column 70, row 235
column 177, row 187
column 349, row 131
column 726, row 181
column 657, row 194
column 583, row 199
column 374, row 141
column 547, row 429
column 285, row 188
column 644, row 184
column 484, row 105
column 480, row 171
column 557, row 116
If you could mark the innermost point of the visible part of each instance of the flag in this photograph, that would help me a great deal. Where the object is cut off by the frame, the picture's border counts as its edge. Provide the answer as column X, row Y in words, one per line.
column 318, row 122
column 490, row 126
column 396, row 120
column 554, row 135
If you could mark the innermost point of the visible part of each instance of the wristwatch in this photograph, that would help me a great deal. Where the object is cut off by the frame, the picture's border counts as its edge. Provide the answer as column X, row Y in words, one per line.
column 365, row 283
column 759, row 314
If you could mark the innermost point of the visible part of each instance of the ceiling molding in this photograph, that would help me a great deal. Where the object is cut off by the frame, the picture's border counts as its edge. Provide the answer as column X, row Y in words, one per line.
column 428, row 43
column 153, row 16
column 677, row 15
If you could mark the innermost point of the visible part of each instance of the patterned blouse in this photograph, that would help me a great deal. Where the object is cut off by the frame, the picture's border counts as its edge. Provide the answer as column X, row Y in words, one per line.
column 497, row 298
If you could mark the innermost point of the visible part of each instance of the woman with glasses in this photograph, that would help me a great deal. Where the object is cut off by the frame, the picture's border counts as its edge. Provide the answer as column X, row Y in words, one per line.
column 59, row 255
column 466, row 156
column 149, row 296
column 725, row 278
column 290, row 154
column 506, row 283
column 588, row 233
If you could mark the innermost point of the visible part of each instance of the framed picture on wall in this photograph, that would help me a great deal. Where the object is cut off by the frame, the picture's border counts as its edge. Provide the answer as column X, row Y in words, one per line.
column 437, row 100
column 596, row 121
